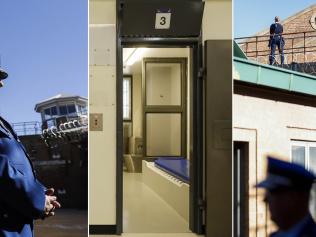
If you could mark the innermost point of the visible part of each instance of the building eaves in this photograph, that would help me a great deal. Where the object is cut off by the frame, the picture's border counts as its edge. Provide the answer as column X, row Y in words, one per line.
column 59, row 98
column 274, row 77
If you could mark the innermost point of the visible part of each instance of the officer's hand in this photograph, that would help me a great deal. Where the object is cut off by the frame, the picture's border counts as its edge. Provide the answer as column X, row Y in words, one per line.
column 50, row 192
column 51, row 203
column 49, row 206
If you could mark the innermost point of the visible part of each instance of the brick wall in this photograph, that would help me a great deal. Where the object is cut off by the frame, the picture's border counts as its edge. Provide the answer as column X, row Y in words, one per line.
column 292, row 26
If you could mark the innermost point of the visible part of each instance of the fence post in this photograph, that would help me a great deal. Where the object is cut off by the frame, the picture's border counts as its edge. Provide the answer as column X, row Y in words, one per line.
column 257, row 48
column 304, row 46
column 292, row 50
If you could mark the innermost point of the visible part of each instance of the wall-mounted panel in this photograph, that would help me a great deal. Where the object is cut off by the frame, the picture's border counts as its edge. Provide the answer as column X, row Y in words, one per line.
column 102, row 48
column 102, row 12
column 102, row 86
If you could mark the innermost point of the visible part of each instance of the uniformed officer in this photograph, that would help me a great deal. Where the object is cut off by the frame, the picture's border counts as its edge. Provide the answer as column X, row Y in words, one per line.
column 23, row 198
column 288, row 188
column 276, row 39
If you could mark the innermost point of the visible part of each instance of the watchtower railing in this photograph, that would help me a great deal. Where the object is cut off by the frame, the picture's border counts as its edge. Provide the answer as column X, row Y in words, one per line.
column 27, row 128
column 300, row 47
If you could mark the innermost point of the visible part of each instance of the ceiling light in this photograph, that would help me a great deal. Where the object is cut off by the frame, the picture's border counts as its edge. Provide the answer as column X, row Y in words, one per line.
column 135, row 56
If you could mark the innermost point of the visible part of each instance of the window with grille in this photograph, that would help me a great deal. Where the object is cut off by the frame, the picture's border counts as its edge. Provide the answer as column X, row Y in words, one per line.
column 304, row 153
column 127, row 98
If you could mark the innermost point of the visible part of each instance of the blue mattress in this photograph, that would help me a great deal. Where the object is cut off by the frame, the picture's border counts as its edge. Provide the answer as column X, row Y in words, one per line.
column 178, row 167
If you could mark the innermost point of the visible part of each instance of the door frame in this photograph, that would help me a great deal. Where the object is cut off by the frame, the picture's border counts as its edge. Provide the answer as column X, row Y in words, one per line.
column 241, row 187
column 197, row 169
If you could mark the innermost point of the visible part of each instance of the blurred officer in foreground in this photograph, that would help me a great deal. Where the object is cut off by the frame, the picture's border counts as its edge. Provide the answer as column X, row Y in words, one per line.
column 288, row 188
column 276, row 39
column 23, row 198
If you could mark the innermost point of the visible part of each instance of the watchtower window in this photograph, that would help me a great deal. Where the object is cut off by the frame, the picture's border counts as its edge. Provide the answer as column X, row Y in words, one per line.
column 71, row 109
column 63, row 110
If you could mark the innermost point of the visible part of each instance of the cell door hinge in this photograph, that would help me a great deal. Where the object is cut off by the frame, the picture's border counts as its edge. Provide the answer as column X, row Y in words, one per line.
column 202, row 73
column 202, row 204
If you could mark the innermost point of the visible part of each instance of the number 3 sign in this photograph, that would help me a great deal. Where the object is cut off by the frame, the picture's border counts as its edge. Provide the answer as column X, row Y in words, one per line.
column 163, row 20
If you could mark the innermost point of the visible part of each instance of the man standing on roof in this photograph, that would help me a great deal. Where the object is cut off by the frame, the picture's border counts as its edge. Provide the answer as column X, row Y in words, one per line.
column 288, row 188
column 23, row 198
column 276, row 39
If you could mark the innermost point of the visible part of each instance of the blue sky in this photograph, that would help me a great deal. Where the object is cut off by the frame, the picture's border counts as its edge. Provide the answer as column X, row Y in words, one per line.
column 44, row 48
column 252, row 16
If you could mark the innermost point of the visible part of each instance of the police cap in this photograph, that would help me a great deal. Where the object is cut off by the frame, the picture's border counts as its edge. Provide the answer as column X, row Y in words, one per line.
column 3, row 74
column 282, row 174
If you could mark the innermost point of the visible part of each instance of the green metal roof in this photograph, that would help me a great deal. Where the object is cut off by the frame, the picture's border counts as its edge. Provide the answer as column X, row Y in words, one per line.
column 238, row 51
column 275, row 77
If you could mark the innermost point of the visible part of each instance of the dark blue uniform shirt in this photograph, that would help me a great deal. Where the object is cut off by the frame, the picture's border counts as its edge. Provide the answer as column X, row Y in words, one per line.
column 276, row 28
column 22, row 196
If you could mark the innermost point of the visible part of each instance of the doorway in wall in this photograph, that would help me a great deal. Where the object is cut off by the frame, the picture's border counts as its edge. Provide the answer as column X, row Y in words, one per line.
column 156, row 140
column 170, row 138
column 241, row 187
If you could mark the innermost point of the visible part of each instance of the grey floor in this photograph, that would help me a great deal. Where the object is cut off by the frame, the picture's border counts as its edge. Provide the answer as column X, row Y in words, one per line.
column 65, row 223
column 145, row 212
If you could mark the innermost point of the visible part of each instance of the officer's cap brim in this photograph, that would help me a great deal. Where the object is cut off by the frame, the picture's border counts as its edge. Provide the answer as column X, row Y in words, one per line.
column 3, row 74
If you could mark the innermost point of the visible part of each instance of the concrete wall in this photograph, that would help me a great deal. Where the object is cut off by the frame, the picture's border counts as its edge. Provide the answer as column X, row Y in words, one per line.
column 268, row 126
column 102, row 99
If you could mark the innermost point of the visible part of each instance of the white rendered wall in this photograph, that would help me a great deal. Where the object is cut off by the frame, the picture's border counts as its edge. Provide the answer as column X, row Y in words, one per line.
column 102, row 99
column 268, row 126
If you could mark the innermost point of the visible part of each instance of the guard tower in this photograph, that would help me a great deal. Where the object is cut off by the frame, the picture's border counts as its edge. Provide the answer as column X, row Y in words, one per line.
column 60, row 109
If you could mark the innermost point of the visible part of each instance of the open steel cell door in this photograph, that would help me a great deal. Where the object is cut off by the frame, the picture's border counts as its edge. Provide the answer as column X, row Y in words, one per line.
column 218, row 135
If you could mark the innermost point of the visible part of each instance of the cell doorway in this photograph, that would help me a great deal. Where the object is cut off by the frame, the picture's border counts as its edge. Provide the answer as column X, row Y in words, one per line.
column 157, row 136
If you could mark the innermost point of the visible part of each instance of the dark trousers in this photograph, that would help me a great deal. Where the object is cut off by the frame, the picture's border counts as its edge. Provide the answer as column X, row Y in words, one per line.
column 276, row 41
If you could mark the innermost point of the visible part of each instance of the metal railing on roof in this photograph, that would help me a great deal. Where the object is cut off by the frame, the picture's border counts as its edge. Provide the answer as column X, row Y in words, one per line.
column 27, row 128
column 300, row 47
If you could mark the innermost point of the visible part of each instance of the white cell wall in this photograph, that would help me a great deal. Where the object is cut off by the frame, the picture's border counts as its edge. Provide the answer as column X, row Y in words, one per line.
column 102, row 11
column 102, row 99
column 268, row 126
column 217, row 20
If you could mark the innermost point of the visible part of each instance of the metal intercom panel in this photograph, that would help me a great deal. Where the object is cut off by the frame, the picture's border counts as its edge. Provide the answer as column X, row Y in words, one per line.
column 96, row 122
column 161, row 18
